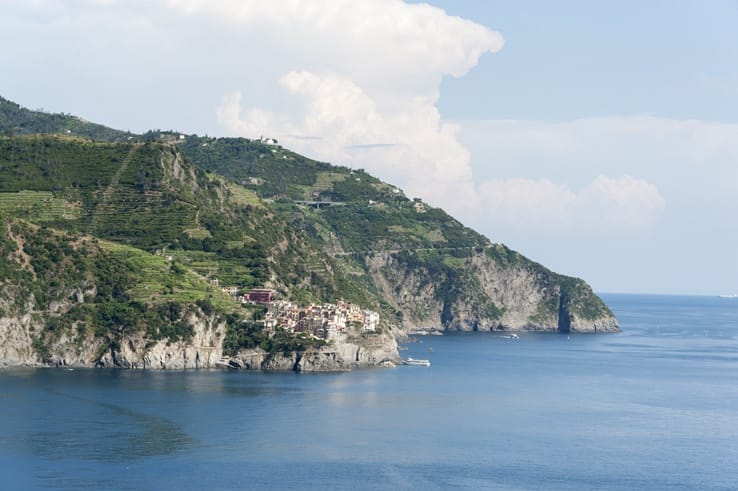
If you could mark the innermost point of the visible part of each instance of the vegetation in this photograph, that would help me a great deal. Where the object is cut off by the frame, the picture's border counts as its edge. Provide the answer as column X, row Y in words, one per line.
column 162, row 228
column 100, row 289
column 577, row 297
column 247, row 335
column 129, row 230
column 17, row 120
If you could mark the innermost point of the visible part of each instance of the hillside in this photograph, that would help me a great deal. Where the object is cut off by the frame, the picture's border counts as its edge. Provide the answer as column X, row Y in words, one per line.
column 16, row 120
column 253, row 214
column 425, row 264
column 171, row 228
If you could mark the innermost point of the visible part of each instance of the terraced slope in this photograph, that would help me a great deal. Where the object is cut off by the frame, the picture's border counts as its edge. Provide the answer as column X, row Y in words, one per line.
column 313, row 230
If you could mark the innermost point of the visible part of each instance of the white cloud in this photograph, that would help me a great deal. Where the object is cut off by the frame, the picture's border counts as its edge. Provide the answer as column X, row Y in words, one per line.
column 606, row 205
column 620, row 202
column 644, row 145
column 411, row 146
column 356, row 82
column 525, row 203
column 606, row 175
column 360, row 77
column 364, row 87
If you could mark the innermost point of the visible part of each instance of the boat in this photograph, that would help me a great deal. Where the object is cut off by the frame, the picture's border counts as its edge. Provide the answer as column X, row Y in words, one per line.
column 511, row 336
column 416, row 363
column 729, row 295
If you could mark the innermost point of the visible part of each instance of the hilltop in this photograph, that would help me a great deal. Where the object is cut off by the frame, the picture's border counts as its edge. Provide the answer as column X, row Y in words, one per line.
column 253, row 214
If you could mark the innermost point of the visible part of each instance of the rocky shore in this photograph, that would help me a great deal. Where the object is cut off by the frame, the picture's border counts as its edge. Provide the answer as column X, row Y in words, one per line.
column 203, row 350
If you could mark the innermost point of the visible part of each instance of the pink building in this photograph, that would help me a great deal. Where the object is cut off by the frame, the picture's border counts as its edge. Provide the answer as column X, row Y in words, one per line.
column 261, row 295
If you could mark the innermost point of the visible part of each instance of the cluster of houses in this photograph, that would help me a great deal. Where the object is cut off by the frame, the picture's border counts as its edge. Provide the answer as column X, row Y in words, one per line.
column 323, row 321
column 320, row 320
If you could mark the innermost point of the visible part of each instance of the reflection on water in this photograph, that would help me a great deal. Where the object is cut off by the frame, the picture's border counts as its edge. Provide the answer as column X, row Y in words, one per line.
column 651, row 408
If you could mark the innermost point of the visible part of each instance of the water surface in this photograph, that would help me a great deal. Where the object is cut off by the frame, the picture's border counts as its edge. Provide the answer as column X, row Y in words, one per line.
column 654, row 407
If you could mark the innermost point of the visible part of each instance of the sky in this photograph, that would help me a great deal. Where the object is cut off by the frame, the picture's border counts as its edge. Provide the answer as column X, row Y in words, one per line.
column 597, row 138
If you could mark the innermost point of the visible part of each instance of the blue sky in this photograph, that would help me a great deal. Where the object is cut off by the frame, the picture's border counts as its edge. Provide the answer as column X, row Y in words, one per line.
column 566, row 60
column 599, row 138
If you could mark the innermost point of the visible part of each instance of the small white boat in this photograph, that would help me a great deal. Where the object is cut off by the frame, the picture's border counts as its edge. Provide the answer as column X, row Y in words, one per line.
column 511, row 336
column 729, row 295
column 416, row 363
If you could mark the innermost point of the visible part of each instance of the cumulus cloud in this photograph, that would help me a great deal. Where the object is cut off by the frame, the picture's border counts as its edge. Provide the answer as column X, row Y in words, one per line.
column 412, row 145
column 525, row 203
column 605, row 205
column 355, row 82
column 350, row 81
column 606, row 175
column 623, row 201
column 364, row 93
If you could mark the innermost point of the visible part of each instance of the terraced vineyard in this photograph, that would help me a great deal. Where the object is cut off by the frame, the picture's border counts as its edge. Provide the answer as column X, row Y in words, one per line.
column 38, row 206
column 240, row 211
column 162, row 280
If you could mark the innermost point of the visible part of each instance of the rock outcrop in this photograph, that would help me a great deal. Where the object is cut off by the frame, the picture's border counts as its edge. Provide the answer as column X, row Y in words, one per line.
column 203, row 350
column 343, row 352
column 491, row 291
column 16, row 344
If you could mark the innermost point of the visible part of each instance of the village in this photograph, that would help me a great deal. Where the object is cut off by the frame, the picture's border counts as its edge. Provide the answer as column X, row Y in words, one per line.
column 322, row 321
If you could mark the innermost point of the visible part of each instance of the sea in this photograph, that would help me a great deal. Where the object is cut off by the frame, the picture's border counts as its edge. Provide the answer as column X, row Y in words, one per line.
column 653, row 407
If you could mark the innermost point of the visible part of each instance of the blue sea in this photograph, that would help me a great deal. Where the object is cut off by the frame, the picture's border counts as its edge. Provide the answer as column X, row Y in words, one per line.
column 654, row 407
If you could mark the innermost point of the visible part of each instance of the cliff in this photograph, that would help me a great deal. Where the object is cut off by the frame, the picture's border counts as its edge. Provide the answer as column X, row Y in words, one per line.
column 341, row 353
column 492, row 289
column 204, row 349
column 110, row 249
column 71, row 300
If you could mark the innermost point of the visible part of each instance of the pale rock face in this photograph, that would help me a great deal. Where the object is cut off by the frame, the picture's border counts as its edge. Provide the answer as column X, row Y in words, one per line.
column 70, row 351
column 16, row 343
column 515, row 290
column 342, row 353
column 204, row 350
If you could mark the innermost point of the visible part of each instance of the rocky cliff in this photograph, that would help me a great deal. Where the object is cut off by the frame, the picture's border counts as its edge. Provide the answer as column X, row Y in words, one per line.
column 110, row 251
column 341, row 353
column 204, row 349
column 492, row 289
column 70, row 300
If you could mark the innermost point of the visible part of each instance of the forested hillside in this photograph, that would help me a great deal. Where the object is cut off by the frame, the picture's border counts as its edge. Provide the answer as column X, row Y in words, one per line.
column 252, row 213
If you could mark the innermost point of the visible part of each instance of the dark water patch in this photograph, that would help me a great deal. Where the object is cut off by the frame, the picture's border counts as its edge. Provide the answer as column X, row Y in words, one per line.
column 115, row 434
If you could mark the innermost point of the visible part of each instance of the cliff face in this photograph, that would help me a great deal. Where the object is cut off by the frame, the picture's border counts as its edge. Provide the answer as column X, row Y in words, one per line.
column 16, row 343
column 342, row 353
column 19, row 346
column 203, row 350
column 488, row 293
column 109, row 253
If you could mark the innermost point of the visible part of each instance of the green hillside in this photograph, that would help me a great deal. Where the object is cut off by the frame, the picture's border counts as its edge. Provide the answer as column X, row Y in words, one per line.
column 361, row 216
column 81, row 287
column 17, row 120
column 145, row 233
column 251, row 213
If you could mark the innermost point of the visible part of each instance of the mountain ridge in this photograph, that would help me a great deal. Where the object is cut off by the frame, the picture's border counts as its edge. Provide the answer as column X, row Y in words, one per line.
column 256, row 214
